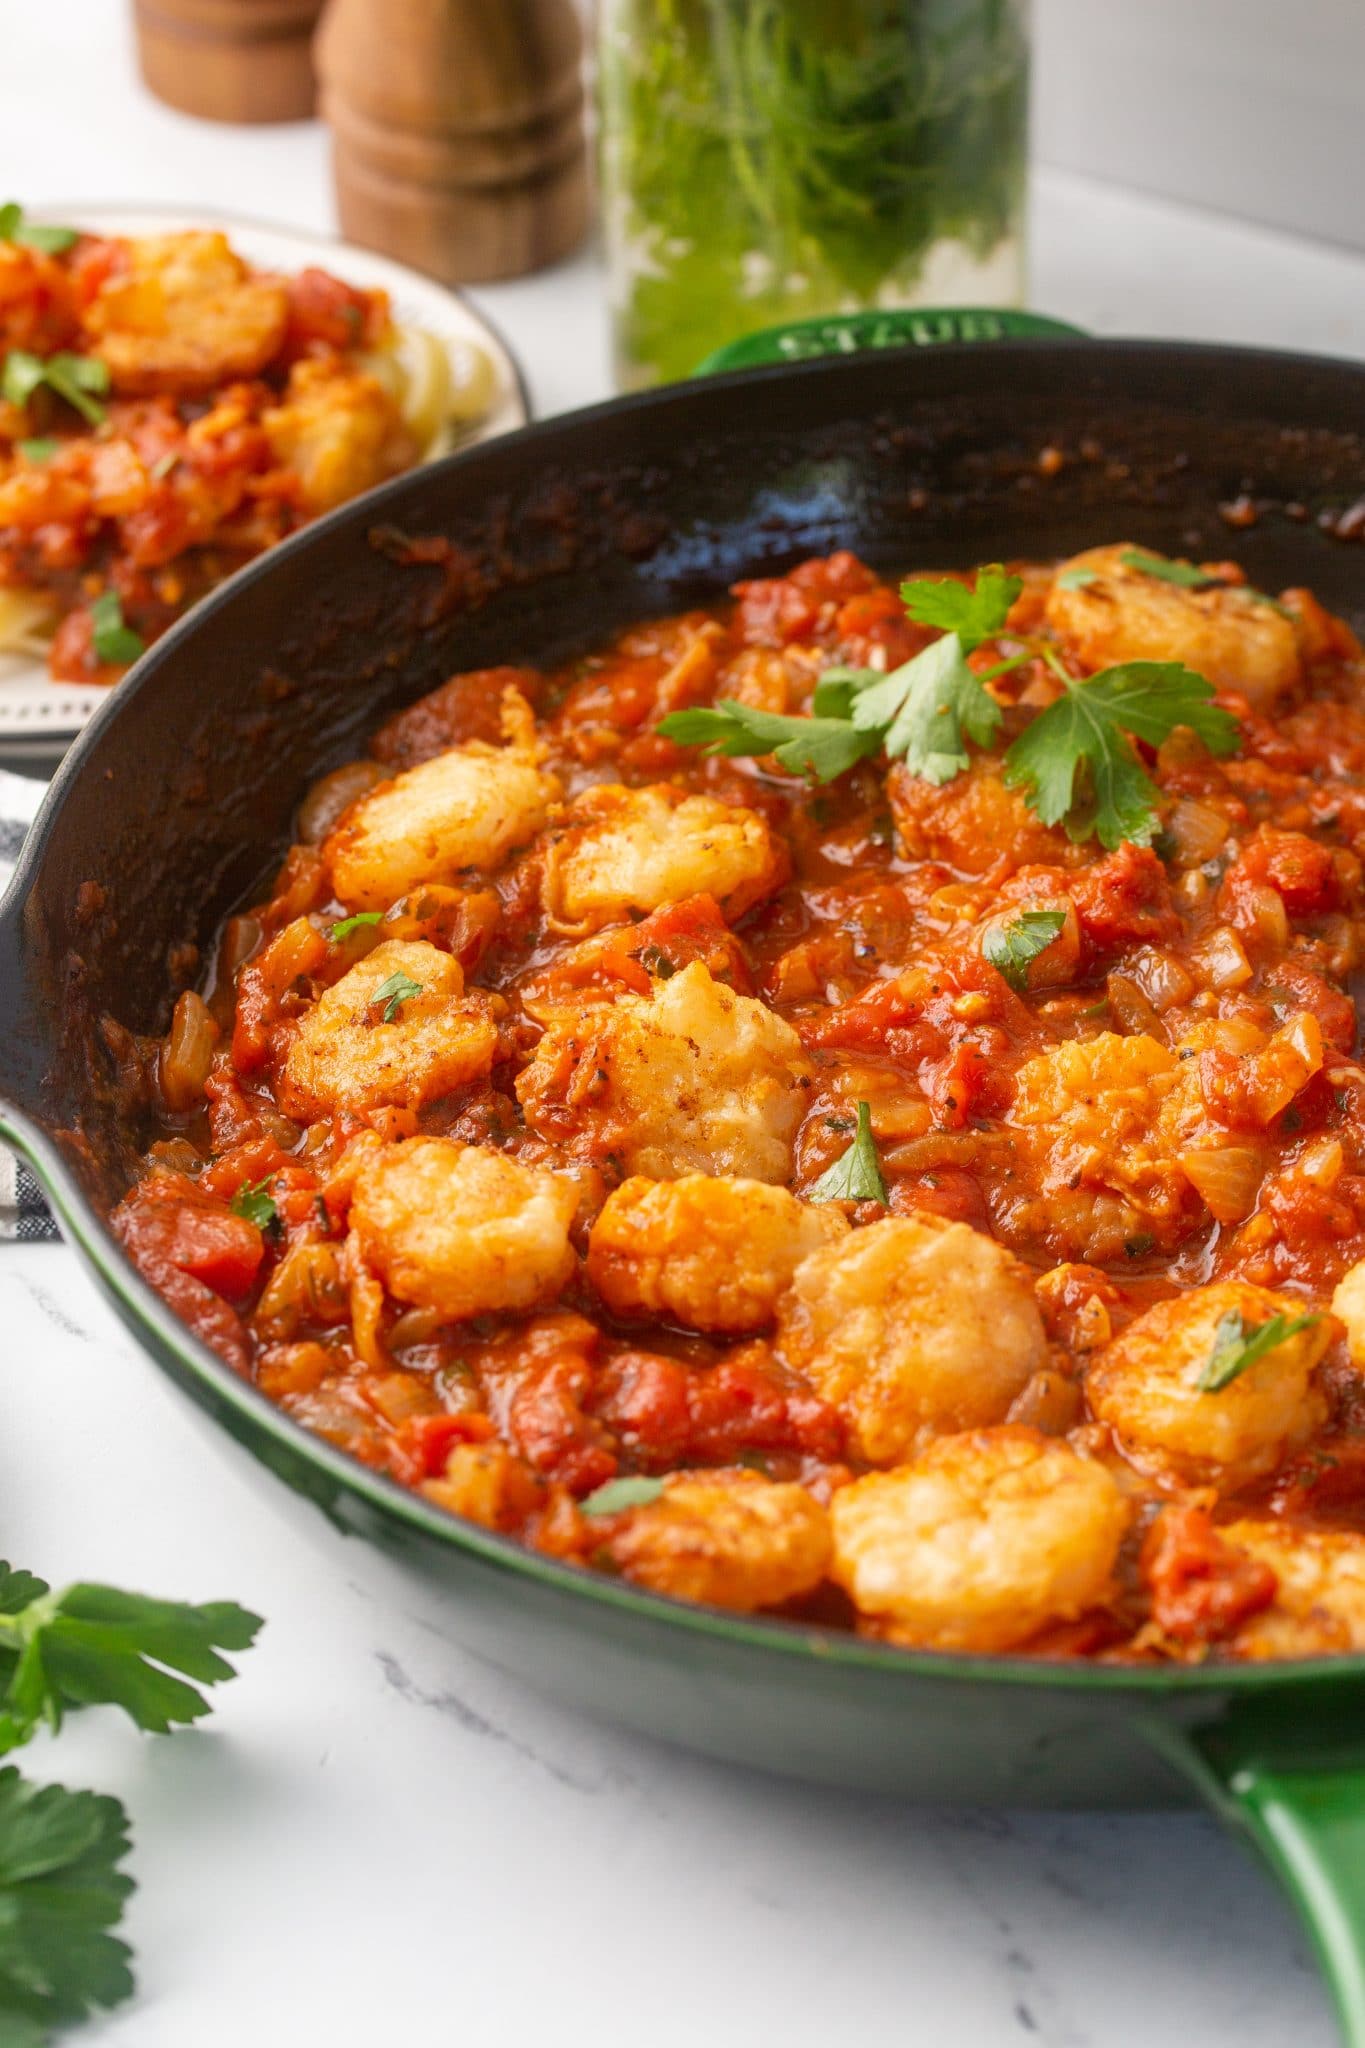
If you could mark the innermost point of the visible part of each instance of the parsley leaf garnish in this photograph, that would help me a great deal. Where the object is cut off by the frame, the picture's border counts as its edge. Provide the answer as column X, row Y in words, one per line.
column 1088, row 728
column 254, row 1201
column 926, row 710
column 972, row 614
column 618, row 1494
column 93, row 1645
column 1075, row 763
column 393, row 993
column 1237, row 1345
column 918, row 713
column 1010, row 948
column 39, row 449
column 1184, row 574
column 823, row 747
column 61, row 1890
column 856, row 1176
column 111, row 638
column 74, row 378
column 344, row 926
column 14, row 228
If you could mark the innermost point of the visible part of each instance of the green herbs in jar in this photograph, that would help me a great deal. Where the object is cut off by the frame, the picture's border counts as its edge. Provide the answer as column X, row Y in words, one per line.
column 768, row 160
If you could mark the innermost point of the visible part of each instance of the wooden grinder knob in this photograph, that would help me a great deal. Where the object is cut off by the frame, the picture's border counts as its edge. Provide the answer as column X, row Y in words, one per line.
column 457, row 131
column 229, row 60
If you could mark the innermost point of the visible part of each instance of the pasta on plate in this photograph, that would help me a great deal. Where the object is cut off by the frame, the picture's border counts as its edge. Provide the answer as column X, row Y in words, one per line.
column 843, row 1104
column 167, row 411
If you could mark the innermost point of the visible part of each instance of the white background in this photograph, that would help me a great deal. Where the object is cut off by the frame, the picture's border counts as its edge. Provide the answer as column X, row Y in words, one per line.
column 378, row 1838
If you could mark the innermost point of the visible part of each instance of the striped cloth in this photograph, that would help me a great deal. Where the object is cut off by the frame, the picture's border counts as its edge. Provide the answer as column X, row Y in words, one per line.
column 23, row 1213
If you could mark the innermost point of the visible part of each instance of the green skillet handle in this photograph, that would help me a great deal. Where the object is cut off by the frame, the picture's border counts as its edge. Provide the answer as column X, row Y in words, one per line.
column 846, row 334
column 1287, row 1773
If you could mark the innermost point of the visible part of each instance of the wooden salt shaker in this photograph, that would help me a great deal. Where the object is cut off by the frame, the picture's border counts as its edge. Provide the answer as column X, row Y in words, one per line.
column 457, row 131
column 229, row 60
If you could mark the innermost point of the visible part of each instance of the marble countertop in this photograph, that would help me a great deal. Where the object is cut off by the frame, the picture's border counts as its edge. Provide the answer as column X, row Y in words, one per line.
column 378, row 1837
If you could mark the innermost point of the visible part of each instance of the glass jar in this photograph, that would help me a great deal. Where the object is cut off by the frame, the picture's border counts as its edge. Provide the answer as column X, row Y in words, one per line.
column 766, row 160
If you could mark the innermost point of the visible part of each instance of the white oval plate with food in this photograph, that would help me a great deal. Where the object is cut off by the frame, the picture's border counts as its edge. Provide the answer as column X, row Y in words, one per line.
column 40, row 716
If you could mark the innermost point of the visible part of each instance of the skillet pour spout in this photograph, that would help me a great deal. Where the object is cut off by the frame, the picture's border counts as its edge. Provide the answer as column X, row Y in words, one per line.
column 532, row 549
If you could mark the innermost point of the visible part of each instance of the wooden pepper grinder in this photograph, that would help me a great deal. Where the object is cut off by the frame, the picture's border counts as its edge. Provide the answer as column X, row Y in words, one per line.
column 229, row 60
column 457, row 131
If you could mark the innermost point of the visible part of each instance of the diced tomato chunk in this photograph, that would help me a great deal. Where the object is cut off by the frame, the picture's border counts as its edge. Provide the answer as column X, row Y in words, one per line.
column 1202, row 1588
column 1301, row 870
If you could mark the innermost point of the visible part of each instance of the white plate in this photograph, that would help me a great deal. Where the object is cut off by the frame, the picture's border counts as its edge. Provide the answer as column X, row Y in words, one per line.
column 40, row 716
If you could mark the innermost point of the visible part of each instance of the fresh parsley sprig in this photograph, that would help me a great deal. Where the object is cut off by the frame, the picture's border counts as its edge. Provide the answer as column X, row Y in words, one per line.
column 254, row 1201
column 1238, row 1344
column 823, row 747
column 973, row 612
column 1086, row 738
column 93, row 1645
column 926, row 711
column 856, row 1175
column 1012, row 948
column 77, row 379
column 358, row 919
column 1166, row 570
column 111, row 637
column 922, row 712
column 61, row 1888
column 632, row 1490
column 1186, row 576
column 52, row 241
column 398, row 989
column 1075, row 764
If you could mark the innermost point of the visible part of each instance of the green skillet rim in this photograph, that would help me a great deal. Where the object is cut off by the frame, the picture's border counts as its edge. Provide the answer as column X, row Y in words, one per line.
column 827, row 1647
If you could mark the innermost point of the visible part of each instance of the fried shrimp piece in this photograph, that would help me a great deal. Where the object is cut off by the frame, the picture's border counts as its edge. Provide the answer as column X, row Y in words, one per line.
column 1105, row 610
column 463, row 809
column 1145, row 1386
column 1089, row 1115
column 1319, row 1604
column 913, row 1327
column 637, row 849
column 728, row 1538
column 690, row 1079
column 185, row 314
column 339, row 430
column 352, row 1054
column 713, row 1253
column 461, row 1229
column 980, row 1543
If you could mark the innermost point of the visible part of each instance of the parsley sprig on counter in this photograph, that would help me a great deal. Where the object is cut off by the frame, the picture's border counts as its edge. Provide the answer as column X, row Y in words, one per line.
column 1075, row 764
column 61, row 1888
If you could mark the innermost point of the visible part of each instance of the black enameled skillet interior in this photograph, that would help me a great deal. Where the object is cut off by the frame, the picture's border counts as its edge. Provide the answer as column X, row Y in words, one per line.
column 528, row 550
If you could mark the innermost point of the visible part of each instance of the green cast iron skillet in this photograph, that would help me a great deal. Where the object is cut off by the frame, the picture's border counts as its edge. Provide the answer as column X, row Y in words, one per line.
column 168, row 809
